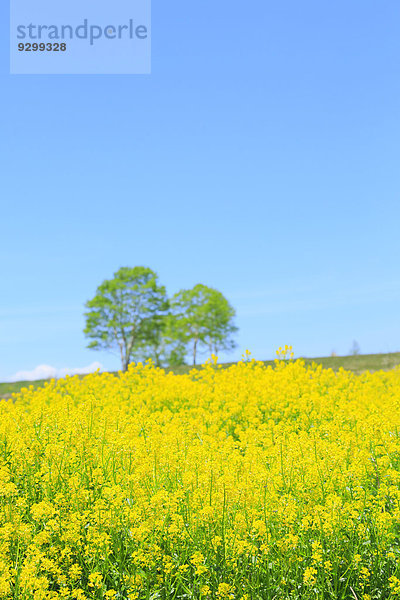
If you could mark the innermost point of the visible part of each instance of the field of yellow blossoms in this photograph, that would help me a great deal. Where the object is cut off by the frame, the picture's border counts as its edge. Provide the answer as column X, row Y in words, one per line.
column 243, row 483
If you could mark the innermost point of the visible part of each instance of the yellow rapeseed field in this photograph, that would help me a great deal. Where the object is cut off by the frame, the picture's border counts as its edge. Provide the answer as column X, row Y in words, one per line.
column 250, row 482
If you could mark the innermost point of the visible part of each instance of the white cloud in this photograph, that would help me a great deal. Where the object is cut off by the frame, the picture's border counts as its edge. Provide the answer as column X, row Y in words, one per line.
column 49, row 372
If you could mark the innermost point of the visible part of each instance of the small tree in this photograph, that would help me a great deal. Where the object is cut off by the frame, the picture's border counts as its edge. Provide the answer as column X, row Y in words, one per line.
column 126, row 313
column 202, row 318
column 355, row 349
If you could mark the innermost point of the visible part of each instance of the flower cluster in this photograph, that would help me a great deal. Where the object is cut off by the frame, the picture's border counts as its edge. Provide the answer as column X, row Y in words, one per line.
column 249, row 482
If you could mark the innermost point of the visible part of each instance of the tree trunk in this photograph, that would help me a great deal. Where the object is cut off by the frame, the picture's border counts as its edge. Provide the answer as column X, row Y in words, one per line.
column 125, row 363
column 194, row 351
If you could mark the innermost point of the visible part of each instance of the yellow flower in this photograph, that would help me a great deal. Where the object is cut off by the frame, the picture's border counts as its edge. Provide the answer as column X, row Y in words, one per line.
column 225, row 590
column 309, row 576
column 95, row 579
column 75, row 572
column 183, row 568
column 364, row 573
column 216, row 542
column 394, row 584
column 78, row 594
column 42, row 510
column 197, row 559
column 317, row 552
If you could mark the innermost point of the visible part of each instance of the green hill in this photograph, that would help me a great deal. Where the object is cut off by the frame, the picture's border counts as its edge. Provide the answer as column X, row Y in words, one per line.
column 357, row 364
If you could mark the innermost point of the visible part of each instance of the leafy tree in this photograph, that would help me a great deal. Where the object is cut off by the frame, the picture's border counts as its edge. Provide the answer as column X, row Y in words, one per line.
column 202, row 318
column 127, row 313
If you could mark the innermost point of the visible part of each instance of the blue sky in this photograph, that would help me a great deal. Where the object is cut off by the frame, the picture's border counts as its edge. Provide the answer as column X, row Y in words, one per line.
column 260, row 157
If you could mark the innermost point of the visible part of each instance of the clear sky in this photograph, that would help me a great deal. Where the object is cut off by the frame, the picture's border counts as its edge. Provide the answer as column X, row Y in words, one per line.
column 261, row 157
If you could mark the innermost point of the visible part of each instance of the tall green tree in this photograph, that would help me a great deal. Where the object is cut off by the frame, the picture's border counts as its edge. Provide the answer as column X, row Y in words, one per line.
column 202, row 319
column 126, row 313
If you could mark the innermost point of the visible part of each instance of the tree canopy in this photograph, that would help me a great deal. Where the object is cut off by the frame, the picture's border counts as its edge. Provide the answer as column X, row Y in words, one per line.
column 131, row 315
column 203, row 319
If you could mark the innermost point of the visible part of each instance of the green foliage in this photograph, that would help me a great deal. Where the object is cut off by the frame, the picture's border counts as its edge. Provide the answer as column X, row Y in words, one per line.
column 131, row 314
column 127, row 313
column 202, row 319
column 162, row 346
